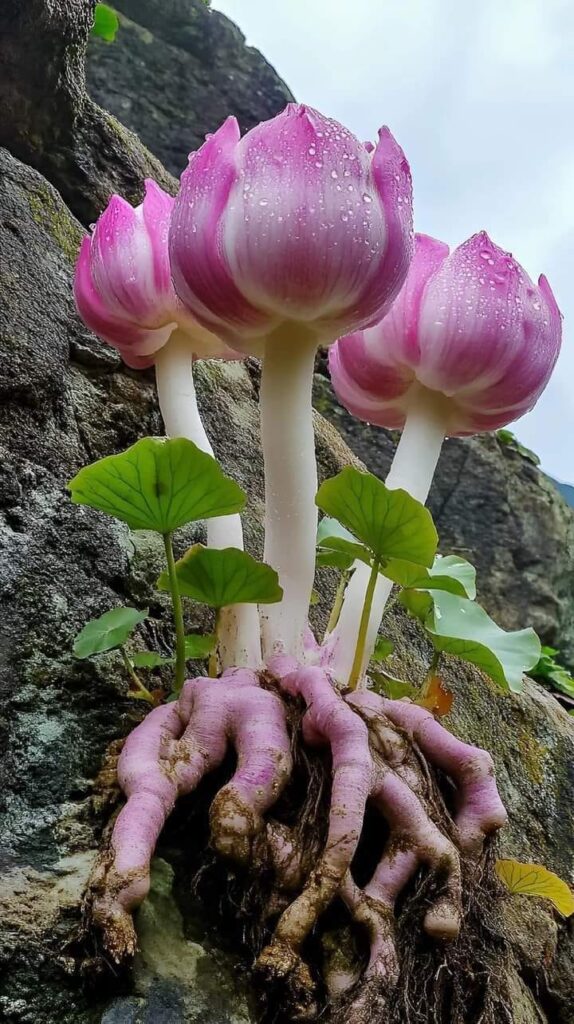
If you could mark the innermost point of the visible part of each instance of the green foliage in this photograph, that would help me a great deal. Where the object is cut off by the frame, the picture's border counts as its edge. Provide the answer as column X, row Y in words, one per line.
column 509, row 440
column 548, row 670
column 106, row 23
column 337, row 548
column 199, row 646
column 461, row 627
column 109, row 631
column 224, row 577
column 390, row 523
column 149, row 659
column 383, row 648
column 388, row 686
column 450, row 573
column 158, row 484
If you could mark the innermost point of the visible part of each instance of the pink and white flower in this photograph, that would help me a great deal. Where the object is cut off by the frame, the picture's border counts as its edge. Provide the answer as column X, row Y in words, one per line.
column 123, row 285
column 469, row 325
column 297, row 222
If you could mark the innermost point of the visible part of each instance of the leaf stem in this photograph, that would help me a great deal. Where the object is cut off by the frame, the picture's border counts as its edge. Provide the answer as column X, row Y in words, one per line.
column 140, row 690
column 177, row 614
column 338, row 602
column 355, row 674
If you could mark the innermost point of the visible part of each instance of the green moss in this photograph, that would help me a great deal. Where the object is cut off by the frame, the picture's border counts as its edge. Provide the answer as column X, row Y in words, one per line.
column 55, row 219
column 533, row 755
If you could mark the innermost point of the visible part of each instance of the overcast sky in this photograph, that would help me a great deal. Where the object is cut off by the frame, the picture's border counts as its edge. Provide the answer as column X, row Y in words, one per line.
column 481, row 98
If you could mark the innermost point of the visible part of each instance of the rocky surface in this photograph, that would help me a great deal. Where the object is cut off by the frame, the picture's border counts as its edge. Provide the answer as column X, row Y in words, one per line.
column 175, row 71
column 495, row 507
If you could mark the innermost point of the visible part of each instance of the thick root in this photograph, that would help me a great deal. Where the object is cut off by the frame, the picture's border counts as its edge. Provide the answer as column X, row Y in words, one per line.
column 380, row 752
column 327, row 721
column 480, row 810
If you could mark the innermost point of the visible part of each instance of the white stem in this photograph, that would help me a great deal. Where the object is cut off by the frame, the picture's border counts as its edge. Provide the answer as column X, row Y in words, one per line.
column 412, row 470
column 290, row 485
column 239, row 625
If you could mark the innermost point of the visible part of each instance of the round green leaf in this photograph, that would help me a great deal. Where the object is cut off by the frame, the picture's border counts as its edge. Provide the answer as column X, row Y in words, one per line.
column 450, row 573
column 158, row 484
column 223, row 577
column 112, row 629
column 459, row 626
column 390, row 523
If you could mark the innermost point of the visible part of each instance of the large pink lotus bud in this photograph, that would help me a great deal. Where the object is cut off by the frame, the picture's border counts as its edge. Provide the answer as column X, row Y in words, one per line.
column 297, row 222
column 468, row 325
column 468, row 345
column 124, row 293
column 123, row 285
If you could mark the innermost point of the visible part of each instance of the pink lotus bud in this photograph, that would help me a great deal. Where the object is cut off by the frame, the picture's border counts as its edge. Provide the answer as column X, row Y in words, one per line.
column 297, row 222
column 469, row 325
column 123, row 285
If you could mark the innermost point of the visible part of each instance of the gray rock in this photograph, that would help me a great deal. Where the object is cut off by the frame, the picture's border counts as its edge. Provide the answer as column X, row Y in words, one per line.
column 495, row 507
column 175, row 71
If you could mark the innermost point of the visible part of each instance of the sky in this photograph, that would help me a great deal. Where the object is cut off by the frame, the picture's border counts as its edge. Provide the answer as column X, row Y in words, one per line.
column 481, row 98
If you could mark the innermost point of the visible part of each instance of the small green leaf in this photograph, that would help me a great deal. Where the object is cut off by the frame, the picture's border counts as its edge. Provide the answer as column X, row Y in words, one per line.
column 390, row 523
column 337, row 548
column 315, row 598
column 418, row 603
column 198, row 646
column 510, row 440
column 223, row 577
column 110, row 630
column 149, row 659
column 450, row 573
column 334, row 560
column 383, row 648
column 158, row 484
column 461, row 627
column 388, row 686
column 550, row 671
column 106, row 23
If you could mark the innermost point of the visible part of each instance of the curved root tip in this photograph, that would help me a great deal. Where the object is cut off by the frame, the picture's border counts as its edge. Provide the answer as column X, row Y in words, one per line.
column 442, row 921
column 117, row 927
column 280, row 966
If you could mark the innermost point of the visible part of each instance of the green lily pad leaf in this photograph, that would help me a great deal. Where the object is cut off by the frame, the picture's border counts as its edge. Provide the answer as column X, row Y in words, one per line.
column 158, row 484
column 383, row 648
column 223, row 577
column 450, row 573
column 149, row 659
column 198, row 646
column 459, row 626
column 106, row 23
column 110, row 630
column 390, row 523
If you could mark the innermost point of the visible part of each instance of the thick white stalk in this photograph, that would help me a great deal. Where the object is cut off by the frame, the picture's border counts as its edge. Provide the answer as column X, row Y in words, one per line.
column 412, row 470
column 239, row 642
column 290, row 485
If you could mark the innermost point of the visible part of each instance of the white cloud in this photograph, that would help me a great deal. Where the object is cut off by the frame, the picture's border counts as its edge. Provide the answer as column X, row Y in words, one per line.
column 480, row 96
